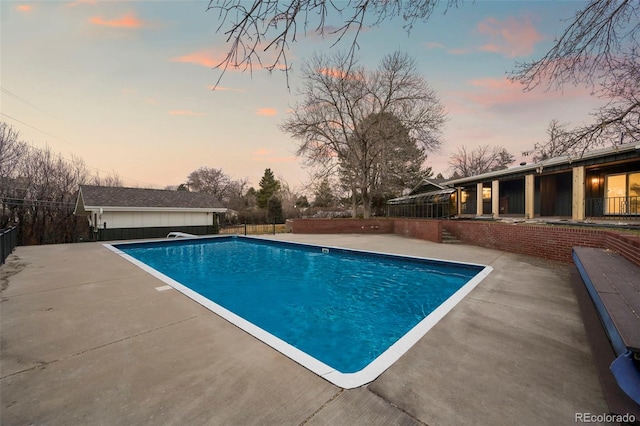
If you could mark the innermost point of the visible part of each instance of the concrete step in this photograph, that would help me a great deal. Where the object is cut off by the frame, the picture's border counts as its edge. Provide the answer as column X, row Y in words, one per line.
column 449, row 238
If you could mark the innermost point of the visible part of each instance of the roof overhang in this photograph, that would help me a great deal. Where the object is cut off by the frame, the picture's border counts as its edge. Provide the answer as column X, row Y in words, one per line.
column 79, row 209
column 425, row 196
column 155, row 209
column 540, row 166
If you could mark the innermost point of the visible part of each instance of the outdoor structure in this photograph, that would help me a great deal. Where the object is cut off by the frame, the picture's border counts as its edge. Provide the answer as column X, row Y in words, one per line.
column 431, row 199
column 116, row 213
column 600, row 185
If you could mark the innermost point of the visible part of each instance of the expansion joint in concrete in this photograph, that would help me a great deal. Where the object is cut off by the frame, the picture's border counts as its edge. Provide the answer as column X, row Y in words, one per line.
column 397, row 407
column 327, row 402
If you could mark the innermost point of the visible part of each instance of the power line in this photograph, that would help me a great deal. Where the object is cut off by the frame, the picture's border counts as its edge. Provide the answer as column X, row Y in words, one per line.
column 69, row 160
column 36, row 202
column 28, row 125
column 21, row 99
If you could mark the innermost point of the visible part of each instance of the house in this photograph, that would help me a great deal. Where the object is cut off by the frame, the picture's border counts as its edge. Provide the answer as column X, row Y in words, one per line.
column 432, row 198
column 600, row 185
column 117, row 213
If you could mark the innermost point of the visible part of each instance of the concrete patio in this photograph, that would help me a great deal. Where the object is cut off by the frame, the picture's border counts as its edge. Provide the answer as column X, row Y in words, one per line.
column 86, row 338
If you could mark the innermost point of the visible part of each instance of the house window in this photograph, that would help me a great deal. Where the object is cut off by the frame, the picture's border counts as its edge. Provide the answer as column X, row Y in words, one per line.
column 486, row 194
column 623, row 193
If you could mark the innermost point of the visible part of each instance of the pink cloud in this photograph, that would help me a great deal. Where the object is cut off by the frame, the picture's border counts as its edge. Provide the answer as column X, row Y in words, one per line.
column 501, row 92
column 261, row 152
column 127, row 21
column 495, row 83
column 224, row 89
column 458, row 51
column 24, row 8
column 494, row 91
column 512, row 37
column 211, row 59
column 266, row 112
column 186, row 112
column 205, row 59
column 433, row 45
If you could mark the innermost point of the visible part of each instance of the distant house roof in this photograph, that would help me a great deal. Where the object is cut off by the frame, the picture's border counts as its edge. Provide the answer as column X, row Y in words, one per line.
column 428, row 185
column 605, row 155
column 119, row 198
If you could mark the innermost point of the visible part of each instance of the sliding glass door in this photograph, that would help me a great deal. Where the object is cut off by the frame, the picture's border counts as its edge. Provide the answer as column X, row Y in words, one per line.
column 622, row 194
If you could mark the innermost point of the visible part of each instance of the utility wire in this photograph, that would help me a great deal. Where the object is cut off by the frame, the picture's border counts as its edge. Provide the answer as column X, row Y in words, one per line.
column 29, row 125
column 21, row 99
column 44, row 203
column 61, row 156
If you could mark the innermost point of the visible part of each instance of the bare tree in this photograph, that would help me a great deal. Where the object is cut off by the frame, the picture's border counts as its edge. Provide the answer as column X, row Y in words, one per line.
column 236, row 195
column 558, row 143
column 212, row 181
column 12, row 150
column 483, row 159
column 111, row 179
column 336, row 122
column 38, row 190
column 599, row 49
column 261, row 32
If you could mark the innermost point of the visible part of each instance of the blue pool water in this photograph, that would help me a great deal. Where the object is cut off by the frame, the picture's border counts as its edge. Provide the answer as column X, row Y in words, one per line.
column 342, row 307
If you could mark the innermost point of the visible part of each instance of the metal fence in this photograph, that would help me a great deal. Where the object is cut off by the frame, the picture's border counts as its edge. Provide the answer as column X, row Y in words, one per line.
column 613, row 208
column 8, row 241
column 248, row 229
column 421, row 210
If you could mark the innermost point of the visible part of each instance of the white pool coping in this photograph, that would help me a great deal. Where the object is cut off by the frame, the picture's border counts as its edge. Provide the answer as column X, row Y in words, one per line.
column 344, row 380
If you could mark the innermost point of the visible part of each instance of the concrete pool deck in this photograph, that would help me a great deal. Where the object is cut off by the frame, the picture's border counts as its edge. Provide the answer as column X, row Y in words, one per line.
column 88, row 338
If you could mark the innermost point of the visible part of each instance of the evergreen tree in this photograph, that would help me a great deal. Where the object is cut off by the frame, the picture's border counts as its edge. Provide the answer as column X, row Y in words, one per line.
column 269, row 185
column 302, row 201
column 324, row 195
column 274, row 210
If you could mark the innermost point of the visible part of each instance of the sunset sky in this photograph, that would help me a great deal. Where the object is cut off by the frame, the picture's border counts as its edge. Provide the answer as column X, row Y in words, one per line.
column 127, row 85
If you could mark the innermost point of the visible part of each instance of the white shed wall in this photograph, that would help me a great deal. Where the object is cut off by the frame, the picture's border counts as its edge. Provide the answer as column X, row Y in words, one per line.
column 151, row 219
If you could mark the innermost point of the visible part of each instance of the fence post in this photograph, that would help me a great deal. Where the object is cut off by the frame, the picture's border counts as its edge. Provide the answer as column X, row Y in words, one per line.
column 245, row 229
column 8, row 241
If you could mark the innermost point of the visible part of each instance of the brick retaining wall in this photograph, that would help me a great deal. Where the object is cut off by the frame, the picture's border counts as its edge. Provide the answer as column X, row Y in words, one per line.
column 550, row 242
column 341, row 226
column 430, row 230
column 547, row 241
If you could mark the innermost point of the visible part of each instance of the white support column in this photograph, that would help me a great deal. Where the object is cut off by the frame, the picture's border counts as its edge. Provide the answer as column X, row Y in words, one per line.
column 577, row 199
column 479, row 199
column 458, row 201
column 495, row 198
column 529, row 196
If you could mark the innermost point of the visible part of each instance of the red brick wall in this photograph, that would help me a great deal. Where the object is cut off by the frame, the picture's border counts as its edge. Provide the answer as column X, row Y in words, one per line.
column 342, row 226
column 550, row 242
column 430, row 230
column 627, row 245
column 547, row 241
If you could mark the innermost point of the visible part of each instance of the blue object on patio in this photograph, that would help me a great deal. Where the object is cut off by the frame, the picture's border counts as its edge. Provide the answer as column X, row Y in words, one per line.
column 627, row 375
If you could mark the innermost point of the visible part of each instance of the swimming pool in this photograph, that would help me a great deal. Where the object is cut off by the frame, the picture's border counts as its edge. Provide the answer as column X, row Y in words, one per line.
column 345, row 314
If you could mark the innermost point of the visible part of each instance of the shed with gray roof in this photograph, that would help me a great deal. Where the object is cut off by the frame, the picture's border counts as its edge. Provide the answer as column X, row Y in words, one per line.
column 125, row 213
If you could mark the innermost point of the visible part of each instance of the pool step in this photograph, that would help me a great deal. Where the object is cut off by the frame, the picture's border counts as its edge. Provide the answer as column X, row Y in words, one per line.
column 449, row 238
